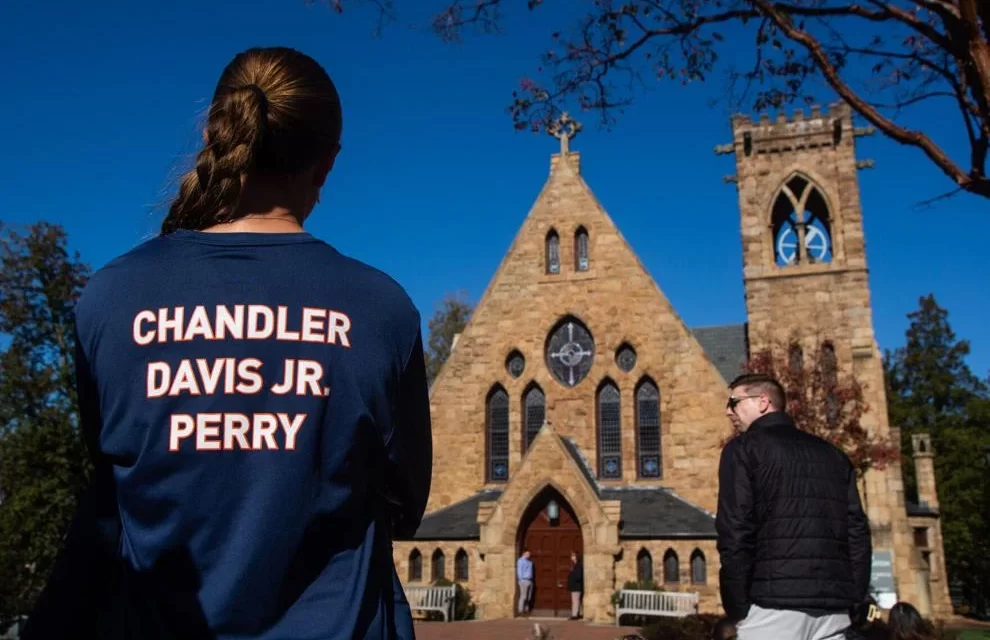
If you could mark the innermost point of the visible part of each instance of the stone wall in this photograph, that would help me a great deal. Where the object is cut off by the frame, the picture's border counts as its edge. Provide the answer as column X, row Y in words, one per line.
column 824, row 301
column 476, row 566
column 709, row 601
column 619, row 302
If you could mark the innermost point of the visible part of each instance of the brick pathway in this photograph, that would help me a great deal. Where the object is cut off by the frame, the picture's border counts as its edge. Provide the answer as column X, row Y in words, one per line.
column 517, row 630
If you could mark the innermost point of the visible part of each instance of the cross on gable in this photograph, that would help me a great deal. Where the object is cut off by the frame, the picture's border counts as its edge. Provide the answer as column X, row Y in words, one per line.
column 564, row 129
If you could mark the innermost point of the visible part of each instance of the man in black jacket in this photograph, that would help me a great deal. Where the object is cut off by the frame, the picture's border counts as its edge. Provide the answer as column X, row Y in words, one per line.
column 793, row 540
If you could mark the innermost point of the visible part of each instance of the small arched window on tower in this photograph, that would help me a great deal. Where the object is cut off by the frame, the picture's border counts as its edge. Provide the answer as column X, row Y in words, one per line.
column 609, row 432
column 553, row 252
column 795, row 358
column 644, row 566
column 581, row 249
column 498, row 435
column 802, row 231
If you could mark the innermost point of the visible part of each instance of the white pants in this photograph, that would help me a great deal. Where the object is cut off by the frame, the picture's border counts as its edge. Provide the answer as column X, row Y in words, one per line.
column 771, row 624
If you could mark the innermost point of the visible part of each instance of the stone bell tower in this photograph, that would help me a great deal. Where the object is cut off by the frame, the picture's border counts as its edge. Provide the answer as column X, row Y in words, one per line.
column 806, row 280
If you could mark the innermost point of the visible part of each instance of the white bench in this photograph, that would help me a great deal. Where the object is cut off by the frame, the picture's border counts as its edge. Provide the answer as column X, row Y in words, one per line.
column 655, row 603
column 427, row 598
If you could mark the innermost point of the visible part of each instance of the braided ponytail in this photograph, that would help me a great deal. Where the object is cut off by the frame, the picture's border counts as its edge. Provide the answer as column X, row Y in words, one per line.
column 274, row 111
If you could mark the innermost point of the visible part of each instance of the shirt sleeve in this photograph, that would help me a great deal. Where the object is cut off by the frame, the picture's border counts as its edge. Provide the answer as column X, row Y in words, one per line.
column 410, row 446
column 83, row 573
column 736, row 527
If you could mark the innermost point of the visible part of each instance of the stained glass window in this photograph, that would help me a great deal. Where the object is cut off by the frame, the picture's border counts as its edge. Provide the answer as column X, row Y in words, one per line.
column 535, row 404
column 581, row 250
column 570, row 352
column 553, row 252
column 648, row 430
column 609, row 432
column 625, row 357
column 515, row 364
column 498, row 435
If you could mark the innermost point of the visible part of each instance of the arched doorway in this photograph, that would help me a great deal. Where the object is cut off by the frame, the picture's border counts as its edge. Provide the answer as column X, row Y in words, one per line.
column 550, row 530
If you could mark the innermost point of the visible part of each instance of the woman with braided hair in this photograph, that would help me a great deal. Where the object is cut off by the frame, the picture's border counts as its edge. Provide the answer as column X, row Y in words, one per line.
column 255, row 402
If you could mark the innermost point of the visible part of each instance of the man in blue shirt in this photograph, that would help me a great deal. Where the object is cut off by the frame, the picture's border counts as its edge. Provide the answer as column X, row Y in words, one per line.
column 524, row 574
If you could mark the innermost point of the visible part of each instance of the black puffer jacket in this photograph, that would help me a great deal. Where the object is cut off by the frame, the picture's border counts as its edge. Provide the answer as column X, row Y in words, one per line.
column 791, row 529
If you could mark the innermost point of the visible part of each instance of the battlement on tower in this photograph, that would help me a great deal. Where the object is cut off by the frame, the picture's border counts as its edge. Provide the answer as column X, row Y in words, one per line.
column 819, row 128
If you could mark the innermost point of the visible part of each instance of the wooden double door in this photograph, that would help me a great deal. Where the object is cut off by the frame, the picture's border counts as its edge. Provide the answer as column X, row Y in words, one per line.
column 550, row 542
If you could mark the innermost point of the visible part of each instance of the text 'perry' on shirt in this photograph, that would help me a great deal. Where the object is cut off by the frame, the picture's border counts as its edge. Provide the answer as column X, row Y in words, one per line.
column 232, row 376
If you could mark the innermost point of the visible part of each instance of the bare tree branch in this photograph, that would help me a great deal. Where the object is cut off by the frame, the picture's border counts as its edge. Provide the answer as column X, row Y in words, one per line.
column 970, row 181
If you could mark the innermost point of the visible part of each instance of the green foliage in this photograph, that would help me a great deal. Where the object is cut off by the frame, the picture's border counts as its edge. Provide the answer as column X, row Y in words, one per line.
column 449, row 319
column 930, row 389
column 43, row 462
column 464, row 606
column 694, row 627
column 824, row 401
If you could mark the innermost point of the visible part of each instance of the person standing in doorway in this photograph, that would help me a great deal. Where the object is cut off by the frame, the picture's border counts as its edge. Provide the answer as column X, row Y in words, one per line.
column 793, row 539
column 524, row 575
column 575, row 584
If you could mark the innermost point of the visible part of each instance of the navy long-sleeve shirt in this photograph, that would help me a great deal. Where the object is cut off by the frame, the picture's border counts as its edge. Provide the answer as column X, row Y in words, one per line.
column 258, row 412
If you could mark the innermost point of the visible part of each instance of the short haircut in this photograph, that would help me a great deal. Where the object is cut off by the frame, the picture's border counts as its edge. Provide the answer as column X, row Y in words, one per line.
column 766, row 385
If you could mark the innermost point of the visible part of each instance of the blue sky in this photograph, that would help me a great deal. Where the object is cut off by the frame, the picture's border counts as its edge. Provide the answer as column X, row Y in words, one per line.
column 102, row 100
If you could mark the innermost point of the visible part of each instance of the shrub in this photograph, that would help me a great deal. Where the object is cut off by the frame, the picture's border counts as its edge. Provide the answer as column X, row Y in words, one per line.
column 464, row 606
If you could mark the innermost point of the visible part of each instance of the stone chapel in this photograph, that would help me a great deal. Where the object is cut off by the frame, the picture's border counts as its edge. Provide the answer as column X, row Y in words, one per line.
column 577, row 412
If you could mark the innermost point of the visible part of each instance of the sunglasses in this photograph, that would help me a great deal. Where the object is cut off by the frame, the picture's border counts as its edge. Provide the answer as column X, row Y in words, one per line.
column 734, row 400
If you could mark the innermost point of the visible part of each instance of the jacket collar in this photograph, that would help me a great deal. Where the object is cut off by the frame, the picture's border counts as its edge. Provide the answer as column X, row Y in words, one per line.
column 773, row 419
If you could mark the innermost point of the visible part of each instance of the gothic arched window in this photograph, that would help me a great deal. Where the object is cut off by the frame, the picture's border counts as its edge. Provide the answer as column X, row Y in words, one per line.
column 671, row 567
column 795, row 358
column 534, row 413
column 699, row 567
column 461, row 566
column 648, row 429
column 581, row 261
column 553, row 252
column 438, row 568
column 497, row 416
column 415, row 566
column 644, row 566
column 800, row 212
column 609, row 431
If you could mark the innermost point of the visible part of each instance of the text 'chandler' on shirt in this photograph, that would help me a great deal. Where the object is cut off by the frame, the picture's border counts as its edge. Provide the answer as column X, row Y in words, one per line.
column 263, row 404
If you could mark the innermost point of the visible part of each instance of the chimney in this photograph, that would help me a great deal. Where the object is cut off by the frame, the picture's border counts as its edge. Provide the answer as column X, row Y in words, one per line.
column 924, row 469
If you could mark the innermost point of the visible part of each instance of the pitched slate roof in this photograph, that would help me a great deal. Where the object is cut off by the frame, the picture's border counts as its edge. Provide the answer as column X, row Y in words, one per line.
column 727, row 346
column 458, row 521
column 658, row 512
column 647, row 512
